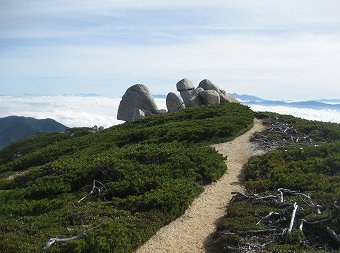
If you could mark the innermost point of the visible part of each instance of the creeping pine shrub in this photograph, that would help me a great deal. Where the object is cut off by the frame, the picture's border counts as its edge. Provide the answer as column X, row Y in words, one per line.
column 152, row 169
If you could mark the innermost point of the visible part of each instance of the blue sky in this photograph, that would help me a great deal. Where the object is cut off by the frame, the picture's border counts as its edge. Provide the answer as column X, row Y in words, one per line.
column 274, row 49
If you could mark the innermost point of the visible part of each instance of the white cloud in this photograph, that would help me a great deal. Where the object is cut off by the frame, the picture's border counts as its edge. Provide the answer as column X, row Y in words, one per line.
column 77, row 111
column 311, row 114
column 72, row 111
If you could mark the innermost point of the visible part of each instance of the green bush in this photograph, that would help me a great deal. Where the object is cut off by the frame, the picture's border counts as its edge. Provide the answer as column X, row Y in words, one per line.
column 151, row 169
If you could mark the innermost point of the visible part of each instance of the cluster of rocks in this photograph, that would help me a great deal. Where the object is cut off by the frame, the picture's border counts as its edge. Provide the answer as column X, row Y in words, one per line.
column 138, row 103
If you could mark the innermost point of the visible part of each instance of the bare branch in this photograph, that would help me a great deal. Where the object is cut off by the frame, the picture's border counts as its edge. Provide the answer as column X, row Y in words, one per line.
column 61, row 239
column 255, row 196
column 303, row 221
column 267, row 217
column 293, row 217
column 256, row 232
column 96, row 185
column 307, row 199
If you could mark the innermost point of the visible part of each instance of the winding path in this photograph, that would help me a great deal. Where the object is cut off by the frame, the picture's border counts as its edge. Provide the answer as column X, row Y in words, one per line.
column 191, row 232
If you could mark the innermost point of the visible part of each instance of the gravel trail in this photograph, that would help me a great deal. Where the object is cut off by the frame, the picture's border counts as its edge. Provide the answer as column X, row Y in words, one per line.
column 191, row 232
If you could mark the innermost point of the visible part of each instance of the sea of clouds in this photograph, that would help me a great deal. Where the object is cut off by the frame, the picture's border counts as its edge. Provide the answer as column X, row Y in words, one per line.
column 83, row 111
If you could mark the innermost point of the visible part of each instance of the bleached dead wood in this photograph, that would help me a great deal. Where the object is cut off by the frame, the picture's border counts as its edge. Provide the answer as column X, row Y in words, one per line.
column 293, row 217
column 63, row 239
column 256, row 232
column 303, row 221
column 255, row 196
column 270, row 214
column 66, row 239
column 307, row 199
column 96, row 186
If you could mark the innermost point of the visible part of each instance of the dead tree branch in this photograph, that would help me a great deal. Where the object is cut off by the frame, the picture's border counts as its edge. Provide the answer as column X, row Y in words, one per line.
column 303, row 221
column 307, row 199
column 66, row 239
column 293, row 217
column 254, row 196
column 256, row 232
column 270, row 214
column 62, row 239
column 96, row 186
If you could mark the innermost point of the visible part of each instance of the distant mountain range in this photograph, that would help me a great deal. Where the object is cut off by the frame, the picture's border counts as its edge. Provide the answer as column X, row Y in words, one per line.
column 322, row 104
column 14, row 128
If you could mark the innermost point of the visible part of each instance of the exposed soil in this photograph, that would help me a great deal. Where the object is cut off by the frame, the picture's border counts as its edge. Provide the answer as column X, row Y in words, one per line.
column 192, row 231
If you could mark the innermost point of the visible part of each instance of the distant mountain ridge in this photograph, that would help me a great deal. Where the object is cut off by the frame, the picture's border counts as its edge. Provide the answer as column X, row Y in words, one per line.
column 322, row 104
column 14, row 128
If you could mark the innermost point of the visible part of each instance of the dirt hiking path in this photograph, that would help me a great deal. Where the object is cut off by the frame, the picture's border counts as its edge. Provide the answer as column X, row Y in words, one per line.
column 191, row 232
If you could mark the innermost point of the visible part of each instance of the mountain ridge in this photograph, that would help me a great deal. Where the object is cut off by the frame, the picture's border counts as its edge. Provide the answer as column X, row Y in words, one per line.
column 13, row 128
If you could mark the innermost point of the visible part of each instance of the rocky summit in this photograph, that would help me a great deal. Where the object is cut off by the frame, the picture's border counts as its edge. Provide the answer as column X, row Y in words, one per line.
column 138, row 103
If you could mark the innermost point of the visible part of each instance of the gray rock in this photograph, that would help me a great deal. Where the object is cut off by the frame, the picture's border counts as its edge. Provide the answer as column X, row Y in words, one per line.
column 209, row 97
column 226, row 98
column 138, row 114
column 174, row 102
column 191, row 98
column 208, row 85
column 184, row 84
column 137, row 96
column 199, row 89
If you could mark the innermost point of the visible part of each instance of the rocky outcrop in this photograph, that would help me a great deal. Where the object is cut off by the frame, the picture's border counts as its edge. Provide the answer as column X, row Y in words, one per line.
column 224, row 96
column 174, row 102
column 184, row 84
column 208, row 85
column 209, row 97
column 138, row 114
column 137, row 102
column 191, row 97
column 137, row 96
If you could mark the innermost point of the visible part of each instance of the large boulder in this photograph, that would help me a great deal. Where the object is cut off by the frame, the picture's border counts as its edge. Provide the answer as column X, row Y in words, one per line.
column 137, row 96
column 208, row 85
column 191, row 97
column 184, row 84
column 174, row 102
column 209, row 97
column 138, row 114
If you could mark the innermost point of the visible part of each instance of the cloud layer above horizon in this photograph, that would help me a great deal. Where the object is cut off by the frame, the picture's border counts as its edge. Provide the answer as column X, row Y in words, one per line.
column 79, row 111
column 274, row 49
